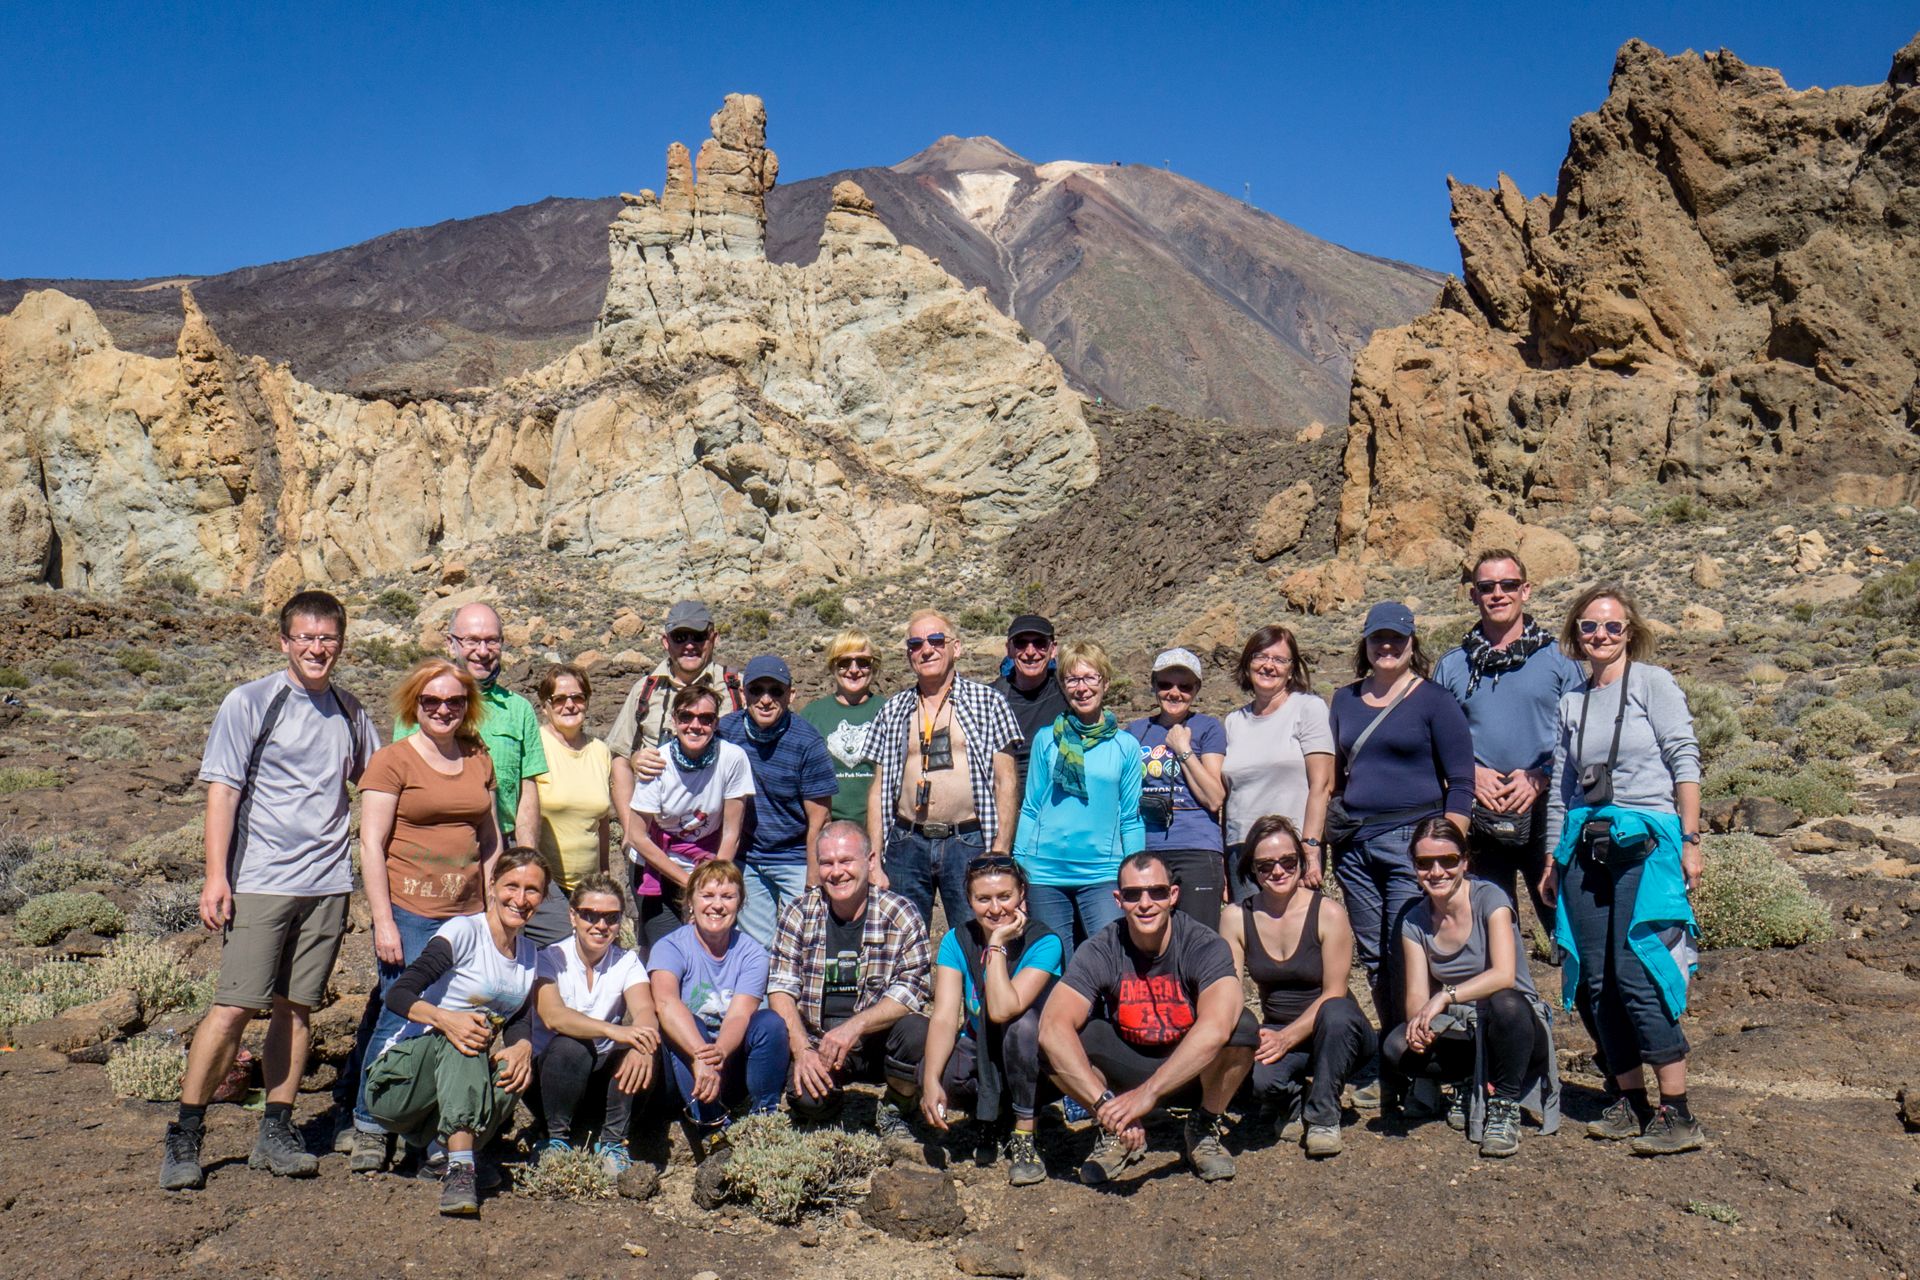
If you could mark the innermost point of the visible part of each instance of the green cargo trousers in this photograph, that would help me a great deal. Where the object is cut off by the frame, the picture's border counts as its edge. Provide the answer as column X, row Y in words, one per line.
column 424, row 1088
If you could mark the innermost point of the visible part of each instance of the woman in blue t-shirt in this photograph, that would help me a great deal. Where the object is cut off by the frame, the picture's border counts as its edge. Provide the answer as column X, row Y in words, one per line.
column 1183, row 756
column 983, row 1033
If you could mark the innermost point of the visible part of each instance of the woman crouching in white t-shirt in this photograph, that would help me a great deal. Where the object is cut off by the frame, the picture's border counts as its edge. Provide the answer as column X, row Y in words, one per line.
column 690, row 813
column 450, row 1076
column 595, row 1035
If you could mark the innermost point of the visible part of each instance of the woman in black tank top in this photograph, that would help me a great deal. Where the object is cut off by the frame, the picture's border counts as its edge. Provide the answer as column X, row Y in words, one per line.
column 1313, row 1036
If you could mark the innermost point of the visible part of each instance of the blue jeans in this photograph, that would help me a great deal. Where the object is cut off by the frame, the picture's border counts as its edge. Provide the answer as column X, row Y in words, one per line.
column 916, row 866
column 770, row 887
column 1076, row 912
column 378, row 1023
column 1376, row 876
column 757, row 1070
column 1617, row 998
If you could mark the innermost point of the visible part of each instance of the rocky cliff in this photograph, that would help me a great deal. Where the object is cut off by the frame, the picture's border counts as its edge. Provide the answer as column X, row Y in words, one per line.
column 730, row 421
column 1722, row 297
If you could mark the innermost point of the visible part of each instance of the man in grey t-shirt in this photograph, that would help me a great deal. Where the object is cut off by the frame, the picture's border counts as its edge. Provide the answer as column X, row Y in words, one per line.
column 278, row 759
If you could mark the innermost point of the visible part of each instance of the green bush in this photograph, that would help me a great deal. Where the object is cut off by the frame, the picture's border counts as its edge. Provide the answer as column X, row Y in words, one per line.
column 1682, row 509
column 1893, row 708
column 178, row 854
column 751, row 624
column 18, row 778
column 397, row 603
column 566, row 1175
column 782, row 1173
column 1748, row 897
column 149, row 1067
column 1716, row 716
column 61, row 669
column 1894, row 596
column 1836, row 731
column 177, row 582
column 828, row 605
column 54, row 915
column 111, row 742
column 1820, row 789
column 137, row 662
column 13, row 678
column 52, row 872
column 979, row 620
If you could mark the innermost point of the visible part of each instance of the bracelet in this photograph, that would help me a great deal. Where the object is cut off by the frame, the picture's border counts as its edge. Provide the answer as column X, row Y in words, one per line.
column 995, row 947
column 1453, row 995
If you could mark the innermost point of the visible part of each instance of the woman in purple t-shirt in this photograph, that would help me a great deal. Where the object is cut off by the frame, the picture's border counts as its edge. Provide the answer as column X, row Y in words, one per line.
column 1182, row 755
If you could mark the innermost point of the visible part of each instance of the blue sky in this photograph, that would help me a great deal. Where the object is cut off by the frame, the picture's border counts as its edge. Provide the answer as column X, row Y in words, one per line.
column 147, row 139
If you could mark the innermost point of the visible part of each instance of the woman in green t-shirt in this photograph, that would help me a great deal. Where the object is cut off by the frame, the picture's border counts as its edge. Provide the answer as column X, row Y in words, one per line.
column 842, row 718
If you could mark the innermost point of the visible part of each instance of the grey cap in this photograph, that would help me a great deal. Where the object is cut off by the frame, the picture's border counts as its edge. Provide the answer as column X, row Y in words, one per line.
column 767, row 667
column 1185, row 659
column 689, row 615
column 1389, row 615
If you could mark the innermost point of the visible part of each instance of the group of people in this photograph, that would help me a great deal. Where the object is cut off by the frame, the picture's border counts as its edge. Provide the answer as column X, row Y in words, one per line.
column 1107, row 893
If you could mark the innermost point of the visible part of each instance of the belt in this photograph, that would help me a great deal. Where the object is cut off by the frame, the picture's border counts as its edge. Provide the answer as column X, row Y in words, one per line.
column 940, row 830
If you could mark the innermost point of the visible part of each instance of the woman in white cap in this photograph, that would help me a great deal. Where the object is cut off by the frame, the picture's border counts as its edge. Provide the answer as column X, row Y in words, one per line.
column 1182, row 754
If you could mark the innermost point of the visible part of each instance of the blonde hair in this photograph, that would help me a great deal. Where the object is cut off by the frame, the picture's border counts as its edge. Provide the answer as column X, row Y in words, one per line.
column 850, row 642
column 722, row 869
column 921, row 615
column 1086, row 653
column 406, row 698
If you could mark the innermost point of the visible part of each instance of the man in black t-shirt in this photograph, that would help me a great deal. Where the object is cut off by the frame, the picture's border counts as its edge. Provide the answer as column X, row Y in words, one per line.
column 1027, row 681
column 1150, row 1012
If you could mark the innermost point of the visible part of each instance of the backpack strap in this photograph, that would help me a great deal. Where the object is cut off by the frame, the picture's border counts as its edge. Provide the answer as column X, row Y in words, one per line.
column 735, row 693
column 237, row 842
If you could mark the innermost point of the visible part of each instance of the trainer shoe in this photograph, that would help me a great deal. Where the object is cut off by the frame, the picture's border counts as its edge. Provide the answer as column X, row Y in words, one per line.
column 1667, row 1134
column 551, row 1146
column 460, row 1190
column 1457, row 1108
column 1617, row 1123
column 1323, row 1140
column 891, row 1123
column 1366, row 1097
column 613, row 1157
column 180, row 1165
column 279, row 1150
column 1204, row 1152
column 1500, row 1135
column 369, row 1151
column 1292, row 1124
column 1023, row 1160
column 1109, row 1156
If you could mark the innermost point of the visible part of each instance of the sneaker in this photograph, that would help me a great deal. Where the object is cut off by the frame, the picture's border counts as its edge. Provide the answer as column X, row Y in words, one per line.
column 369, row 1151
column 890, row 1122
column 1023, row 1160
column 1323, row 1140
column 1457, row 1109
column 1074, row 1115
column 1209, row 1159
column 1109, row 1156
column 180, row 1167
column 1617, row 1123
column 460, row 1190
column 1667, row 1134
column 280, row 1150
column 1500, row 1135
column 1293, row 1124
column 1366, row 1097
column 613, row 1157
column 551, row 1146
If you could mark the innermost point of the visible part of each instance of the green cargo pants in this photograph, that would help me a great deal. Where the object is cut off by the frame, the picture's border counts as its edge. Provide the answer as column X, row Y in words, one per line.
column 424, row 1088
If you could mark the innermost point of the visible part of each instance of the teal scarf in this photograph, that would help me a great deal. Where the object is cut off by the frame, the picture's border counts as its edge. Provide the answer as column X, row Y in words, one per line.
column 1075, row 739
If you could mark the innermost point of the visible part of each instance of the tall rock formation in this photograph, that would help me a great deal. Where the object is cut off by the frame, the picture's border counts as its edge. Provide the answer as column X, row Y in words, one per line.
column 1722, row 297
column 731, row 422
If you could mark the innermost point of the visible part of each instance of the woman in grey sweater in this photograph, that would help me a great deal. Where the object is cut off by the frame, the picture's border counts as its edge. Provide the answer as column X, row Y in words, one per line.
column 1623, row 820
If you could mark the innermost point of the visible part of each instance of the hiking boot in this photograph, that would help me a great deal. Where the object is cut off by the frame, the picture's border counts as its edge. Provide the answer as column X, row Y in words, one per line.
column 280, row 1150
column 1109, row 1156
column 1667, row 1134
column 1617, row 1123
column 613, row 1157
column 1292, row 1124
column 1323, row 1140
column 369, row 1151
column 1366, row 1097
column 1023, row 1160
column 890, row 1122
column 1500, row 1135
column 1209, row 1159
column 1457, row 1109
column 180, row 1166
column 708, row 1142
column 460, row 1190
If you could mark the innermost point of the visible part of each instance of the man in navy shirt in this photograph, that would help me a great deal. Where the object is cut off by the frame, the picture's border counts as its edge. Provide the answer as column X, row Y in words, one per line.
column 1508, row 675
column 793, row 784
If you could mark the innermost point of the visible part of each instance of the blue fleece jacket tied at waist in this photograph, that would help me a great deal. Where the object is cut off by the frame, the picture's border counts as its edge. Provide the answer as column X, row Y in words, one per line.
column 1663, row 931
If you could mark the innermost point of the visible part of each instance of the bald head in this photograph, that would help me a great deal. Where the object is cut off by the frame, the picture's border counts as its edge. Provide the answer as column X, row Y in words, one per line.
column 473, row 641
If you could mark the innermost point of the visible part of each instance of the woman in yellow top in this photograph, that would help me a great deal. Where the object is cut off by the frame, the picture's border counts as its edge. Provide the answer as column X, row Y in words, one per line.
column 576, row 797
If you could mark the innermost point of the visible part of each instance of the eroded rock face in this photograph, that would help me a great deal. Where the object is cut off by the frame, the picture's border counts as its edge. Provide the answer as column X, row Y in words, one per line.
column 1723, row 297
column 730, row 422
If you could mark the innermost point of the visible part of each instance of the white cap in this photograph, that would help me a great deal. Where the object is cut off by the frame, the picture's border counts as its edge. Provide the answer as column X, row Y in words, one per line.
column 1178, row 658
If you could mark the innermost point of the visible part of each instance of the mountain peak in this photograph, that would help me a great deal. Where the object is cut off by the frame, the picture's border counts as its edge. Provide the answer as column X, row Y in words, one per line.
column 955, row 155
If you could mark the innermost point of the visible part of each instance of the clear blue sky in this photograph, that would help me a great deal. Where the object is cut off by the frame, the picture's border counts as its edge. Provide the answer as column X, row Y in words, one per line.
column 143, row 139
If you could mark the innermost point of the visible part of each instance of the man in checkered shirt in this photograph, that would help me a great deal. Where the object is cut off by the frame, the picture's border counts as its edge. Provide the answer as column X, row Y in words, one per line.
column 947, row 788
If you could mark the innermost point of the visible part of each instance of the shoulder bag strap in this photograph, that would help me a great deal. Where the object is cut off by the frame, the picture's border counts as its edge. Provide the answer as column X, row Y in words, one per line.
column 1373, row 724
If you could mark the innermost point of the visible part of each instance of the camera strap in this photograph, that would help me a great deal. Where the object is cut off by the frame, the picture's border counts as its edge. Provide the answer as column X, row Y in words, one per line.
column 1586, row 699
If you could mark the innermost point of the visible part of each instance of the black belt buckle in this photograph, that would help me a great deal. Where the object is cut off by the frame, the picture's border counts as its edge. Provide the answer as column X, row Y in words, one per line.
column 936, row 830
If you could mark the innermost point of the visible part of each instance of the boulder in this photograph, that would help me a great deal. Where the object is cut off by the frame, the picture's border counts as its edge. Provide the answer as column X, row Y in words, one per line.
column 1706, row 572
column 1283, row 520
column 1764, row 816
column 1809, row 552
column 1550, row 555
column 913, row 1204
column 1699, row 618
column 83, row 1025
column 1218, row 628
column 982, row 1256
column 1327, row 587
column 638, row 1181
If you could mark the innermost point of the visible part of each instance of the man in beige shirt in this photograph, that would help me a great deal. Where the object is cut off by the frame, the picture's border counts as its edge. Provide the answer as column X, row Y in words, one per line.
column 643, row 722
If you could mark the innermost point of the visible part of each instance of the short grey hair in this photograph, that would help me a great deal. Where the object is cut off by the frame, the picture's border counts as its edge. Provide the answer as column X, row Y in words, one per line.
column 844, row 829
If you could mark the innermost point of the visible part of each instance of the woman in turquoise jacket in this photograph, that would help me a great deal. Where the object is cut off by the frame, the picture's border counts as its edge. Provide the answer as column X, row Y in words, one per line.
column 1623, row 820
column 1081, row 815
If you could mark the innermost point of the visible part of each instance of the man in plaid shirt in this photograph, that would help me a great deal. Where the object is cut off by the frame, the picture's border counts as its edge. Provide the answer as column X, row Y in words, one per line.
column 850, row 962
column 948, row 784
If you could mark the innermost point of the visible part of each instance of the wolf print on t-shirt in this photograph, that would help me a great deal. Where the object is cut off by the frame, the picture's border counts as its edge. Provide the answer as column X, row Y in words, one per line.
column 847, row 744
column 1152, row 1011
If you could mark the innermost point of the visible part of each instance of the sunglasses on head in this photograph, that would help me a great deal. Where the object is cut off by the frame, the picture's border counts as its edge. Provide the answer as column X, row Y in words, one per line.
column 598, row 917
column 1613, row 626
column 706, row 718
column 990, row 863
column 1508, row 585
column 456, row 704
column 937, row 639
column 1135, row 892
column 1265, row 867
column 1444, row 862
column 687, row 637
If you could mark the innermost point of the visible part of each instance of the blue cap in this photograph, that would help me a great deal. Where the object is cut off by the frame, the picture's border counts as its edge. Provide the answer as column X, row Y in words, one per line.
column 1389, row 615
column 768, row 667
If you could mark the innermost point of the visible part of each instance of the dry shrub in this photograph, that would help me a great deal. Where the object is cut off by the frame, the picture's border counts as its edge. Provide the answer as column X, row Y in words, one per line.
column 149, row 969
column 1835, row 731
column 575, row 1174
column 161, row 909
column 147, row 1066
column 782, row 1172
column 1748, row 897
column 53, row 872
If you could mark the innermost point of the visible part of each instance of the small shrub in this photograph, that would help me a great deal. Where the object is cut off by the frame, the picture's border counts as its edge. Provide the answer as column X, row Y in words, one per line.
column 566, row 1175
column 1802, row 612
column 52, row 872
column 383, row 654
column 397, row 603
column 149, row 1067
column 13, row 678
column 151, row 970
column 1894, row 596
column 179, row 854
column 176, row 582
column 1748, row 897
column 54, row 915
column 980, row 620
column 137, row 662
column 781, row 1172
column 111, row 742
column 161, row 909
column 1793, row 660
column 1837, row 731
column 1716, row 716
column 1682, row 509
column 752, row 624
column 1721, row 1213
column 17, row 778
column 61, row 669
column 1822, row 789
column 1894, row 709
column 164, row 700
column 827, row 604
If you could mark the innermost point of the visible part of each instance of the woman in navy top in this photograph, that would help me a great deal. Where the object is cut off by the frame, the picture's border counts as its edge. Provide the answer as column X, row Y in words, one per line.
column 1182, row 753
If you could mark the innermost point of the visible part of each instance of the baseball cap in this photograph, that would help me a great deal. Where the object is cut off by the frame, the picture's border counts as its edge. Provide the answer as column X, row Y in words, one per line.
column 768, row 667
column 1029, row 624
column 689, row 615
column 1389, row 615
column 1182, row 658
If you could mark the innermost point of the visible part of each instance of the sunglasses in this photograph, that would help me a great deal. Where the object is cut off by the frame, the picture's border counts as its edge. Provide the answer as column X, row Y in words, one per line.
column 456, row 704
column 1485, row 586
column 1265, row 867
column 989, row 864
column 1445, row 862
column 706, row 718
column 938, row 640
column 598, row 917
column 1612, row 626
column 1135, row 892
column 853, row 664
column 1184, row 686
column 686, row 637
column 762, row 689
column 567, row 700
column 1021, row 643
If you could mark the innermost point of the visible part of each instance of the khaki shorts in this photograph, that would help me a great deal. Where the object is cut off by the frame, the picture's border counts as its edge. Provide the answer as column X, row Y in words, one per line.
column 280, row 945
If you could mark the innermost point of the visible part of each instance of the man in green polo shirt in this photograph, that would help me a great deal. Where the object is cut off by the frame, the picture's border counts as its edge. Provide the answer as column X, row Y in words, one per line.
column 508, row 727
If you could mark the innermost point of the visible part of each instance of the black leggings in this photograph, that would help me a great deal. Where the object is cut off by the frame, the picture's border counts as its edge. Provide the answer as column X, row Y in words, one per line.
column 567, row 1078
column 1342, row 1039
column 1516, row 1047
column 1019, row 1065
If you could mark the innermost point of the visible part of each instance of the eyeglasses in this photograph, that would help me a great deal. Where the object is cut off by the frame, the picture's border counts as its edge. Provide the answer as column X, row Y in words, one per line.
column 1135, row 892
column 313, row 642
column 687, row 637
column 765, row 689
column 1081, row 682
column 1265, row 867
column 706, row 718
column 1027, row 640
column 567, row 700
column 1613, row 626
column 1507, row 586
column 862, row 662
column 990, row 864
column 1184, row 686
column 457, row 704
column 937, row 639
column 1445, row 862
column 608, row 918
column 1270, row 666
column 476, row 642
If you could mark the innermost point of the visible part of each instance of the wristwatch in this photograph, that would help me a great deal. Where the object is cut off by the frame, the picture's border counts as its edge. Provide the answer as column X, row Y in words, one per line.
column 1103, row 1100
column 1310, row 842
column 1184, row 756
column 1690, row 837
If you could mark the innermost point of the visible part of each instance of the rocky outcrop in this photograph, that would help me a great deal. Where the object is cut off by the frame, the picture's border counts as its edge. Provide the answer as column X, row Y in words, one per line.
column 731, row 422
column 1722, row 297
